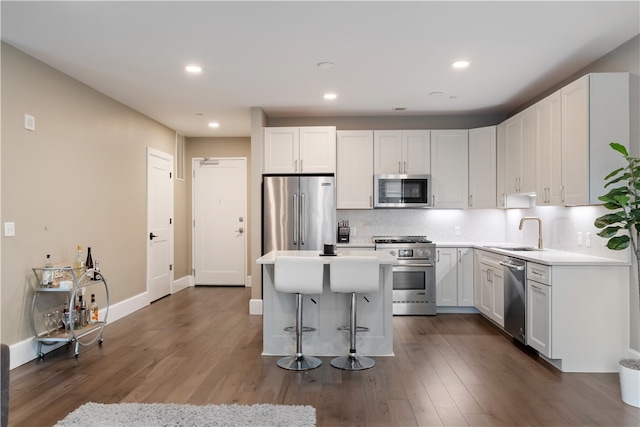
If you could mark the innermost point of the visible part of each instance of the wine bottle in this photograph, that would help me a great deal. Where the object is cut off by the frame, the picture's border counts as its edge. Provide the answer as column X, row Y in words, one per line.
column 47, row 275
column 78, row 265
column 94, row 309
column 89, row 262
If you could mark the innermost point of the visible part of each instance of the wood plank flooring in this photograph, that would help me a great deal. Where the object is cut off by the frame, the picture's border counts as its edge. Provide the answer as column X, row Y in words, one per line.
column 200, row 346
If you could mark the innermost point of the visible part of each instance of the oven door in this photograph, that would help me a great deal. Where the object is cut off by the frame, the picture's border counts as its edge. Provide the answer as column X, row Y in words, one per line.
column 414, row 288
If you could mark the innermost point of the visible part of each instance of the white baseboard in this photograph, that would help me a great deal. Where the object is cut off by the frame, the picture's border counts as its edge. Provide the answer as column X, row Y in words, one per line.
column 27, row 350
column 255, row 307
column 182, row 283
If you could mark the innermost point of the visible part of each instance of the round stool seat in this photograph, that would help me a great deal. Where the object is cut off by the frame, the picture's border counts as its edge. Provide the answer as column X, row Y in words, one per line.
column 359, row 274
column 298, row 275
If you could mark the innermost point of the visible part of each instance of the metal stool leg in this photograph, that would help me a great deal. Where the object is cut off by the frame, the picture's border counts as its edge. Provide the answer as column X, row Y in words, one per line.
column 299, row 362
column 352, row 362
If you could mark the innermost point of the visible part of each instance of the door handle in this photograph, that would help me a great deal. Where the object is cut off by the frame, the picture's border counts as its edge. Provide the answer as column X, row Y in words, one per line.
column 303, row 217
column 296, row 218
column 151, row 236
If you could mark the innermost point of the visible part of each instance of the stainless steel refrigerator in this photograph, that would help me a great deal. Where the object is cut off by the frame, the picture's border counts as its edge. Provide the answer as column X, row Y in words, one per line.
column 298, row 212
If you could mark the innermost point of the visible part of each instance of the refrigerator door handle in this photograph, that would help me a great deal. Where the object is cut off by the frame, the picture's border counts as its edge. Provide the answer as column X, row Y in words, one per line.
column 302, row 218
column 296, row 213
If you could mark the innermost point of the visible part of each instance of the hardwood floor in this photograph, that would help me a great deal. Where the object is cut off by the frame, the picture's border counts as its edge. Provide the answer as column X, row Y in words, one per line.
column 200, row 346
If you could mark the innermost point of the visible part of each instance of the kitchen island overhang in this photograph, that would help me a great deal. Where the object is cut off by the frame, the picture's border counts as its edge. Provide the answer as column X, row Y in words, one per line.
column 327, row 312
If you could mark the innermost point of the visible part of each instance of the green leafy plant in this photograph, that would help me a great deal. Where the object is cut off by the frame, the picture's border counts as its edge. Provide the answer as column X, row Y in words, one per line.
column 622, row 226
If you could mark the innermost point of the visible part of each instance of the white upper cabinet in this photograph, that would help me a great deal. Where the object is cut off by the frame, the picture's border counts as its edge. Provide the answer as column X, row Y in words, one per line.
column 595, row 112
column 354, row 176
column 401, row 152
column 299, row 149
column 520, row 145
column 549, row 152
column 450, row 168
column 482, row 167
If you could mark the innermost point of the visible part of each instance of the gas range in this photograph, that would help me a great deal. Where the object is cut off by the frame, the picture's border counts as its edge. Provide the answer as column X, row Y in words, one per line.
column 406, row 248
column 414, row 274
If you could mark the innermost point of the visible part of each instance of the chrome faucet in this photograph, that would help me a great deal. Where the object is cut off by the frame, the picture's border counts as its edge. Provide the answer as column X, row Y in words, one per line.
column 524, row 218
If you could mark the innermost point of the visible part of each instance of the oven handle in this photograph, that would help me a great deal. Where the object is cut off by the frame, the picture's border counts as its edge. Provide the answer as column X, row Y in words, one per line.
column 416, row 265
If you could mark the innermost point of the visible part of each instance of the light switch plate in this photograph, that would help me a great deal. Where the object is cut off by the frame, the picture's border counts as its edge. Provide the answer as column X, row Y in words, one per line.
column 9, row 229
column 29, row 122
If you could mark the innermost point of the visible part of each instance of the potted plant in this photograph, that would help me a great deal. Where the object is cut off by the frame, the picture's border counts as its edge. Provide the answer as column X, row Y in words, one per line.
column 621, row 228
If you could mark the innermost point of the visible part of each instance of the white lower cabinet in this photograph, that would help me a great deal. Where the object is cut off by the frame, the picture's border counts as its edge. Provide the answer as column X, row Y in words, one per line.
column 488, row 293
column 538, row 322
column 454, row 277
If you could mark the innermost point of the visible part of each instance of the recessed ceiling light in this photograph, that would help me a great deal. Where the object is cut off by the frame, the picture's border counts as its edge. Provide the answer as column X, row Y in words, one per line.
column 193, row 69
column 460, row 64
column 330, row 96
column 436, row 94
column 398, row 108
column 214, row 125
column 326, row 65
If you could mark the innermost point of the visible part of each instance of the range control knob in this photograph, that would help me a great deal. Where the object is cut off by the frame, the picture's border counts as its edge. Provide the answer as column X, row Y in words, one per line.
column 420, row 253
column 393, row 253
column 428, row 253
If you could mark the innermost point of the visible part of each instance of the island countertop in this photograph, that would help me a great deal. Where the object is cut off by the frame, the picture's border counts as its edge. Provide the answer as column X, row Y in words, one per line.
column 383, row 256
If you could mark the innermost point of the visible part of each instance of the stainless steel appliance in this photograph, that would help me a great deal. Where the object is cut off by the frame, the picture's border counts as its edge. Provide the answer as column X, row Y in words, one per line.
column 515, row 302
column 414, row 275
column 299, row 212
column 402, row 191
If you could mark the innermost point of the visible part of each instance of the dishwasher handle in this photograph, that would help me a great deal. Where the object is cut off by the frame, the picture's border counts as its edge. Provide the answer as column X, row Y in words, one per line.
column 516, row 267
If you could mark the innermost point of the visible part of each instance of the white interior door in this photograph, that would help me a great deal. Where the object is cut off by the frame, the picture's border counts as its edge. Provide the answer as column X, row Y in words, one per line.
column 219, row 221
column 159, row 223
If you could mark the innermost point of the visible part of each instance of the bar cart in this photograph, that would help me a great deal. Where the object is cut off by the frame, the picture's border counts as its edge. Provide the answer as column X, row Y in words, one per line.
column 61, row 280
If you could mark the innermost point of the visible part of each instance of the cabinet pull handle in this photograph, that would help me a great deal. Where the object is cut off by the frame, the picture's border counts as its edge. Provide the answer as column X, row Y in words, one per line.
column 562, row 193
column 470, row 200
column 438, row 253
column 300, row 165
column 370, row 201
column 434, row 200
column 536, row 287
column 295, row 165
column 405, row 167
column 399, row 167
column 459, row 255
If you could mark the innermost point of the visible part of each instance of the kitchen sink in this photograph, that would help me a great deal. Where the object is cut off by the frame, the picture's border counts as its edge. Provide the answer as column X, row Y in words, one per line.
column 515, row 248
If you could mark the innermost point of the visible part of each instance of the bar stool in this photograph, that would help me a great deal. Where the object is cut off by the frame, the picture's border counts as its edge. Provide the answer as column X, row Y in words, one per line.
column 299, row 275
column 353, row 275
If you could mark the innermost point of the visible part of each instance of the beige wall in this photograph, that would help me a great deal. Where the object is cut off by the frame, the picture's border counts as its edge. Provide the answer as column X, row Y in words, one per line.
column 79, row 178
column 216, row 147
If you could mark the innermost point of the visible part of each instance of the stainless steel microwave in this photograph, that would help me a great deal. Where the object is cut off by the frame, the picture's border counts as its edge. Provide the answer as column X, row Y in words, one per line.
column 402, row 191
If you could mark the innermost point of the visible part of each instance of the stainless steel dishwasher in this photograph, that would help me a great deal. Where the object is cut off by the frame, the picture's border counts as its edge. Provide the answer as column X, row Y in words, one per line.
column 515, row 294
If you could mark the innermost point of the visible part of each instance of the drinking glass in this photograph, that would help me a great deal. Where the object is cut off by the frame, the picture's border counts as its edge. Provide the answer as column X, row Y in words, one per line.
column 48, row 318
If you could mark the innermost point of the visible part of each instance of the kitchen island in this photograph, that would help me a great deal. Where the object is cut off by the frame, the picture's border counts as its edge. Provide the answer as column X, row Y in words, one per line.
column 327, row 312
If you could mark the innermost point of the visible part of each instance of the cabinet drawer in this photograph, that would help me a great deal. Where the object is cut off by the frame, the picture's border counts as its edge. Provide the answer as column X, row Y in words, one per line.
column 539, row 273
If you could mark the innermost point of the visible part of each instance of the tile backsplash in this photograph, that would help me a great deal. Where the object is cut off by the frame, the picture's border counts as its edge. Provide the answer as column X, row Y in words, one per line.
column 560, row 226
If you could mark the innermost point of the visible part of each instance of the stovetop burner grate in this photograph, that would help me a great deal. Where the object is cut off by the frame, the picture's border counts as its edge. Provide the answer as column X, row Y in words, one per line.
column 400, row 239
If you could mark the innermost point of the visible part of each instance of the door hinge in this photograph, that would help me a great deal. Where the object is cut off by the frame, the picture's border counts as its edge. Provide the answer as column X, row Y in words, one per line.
column 170, row 267
column 170, row 221
column 170, row 175
column 194, row 174
column 194, row 223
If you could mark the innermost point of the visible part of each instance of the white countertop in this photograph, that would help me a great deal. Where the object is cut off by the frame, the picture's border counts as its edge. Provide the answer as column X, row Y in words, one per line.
column 553, row 257
column 383, row 257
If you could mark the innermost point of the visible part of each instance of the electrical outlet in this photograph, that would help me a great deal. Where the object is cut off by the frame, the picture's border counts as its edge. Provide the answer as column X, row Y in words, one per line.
column 9, row 229
column 456, row 230
column 587, row 239
column 352, row 231
column 579, row 238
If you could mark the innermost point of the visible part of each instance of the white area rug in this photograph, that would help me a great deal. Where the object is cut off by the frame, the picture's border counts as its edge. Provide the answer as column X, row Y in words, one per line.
column 169, row 414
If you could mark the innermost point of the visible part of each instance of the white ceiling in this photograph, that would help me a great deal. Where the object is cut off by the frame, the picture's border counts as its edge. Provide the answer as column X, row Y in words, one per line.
column 265, row 54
